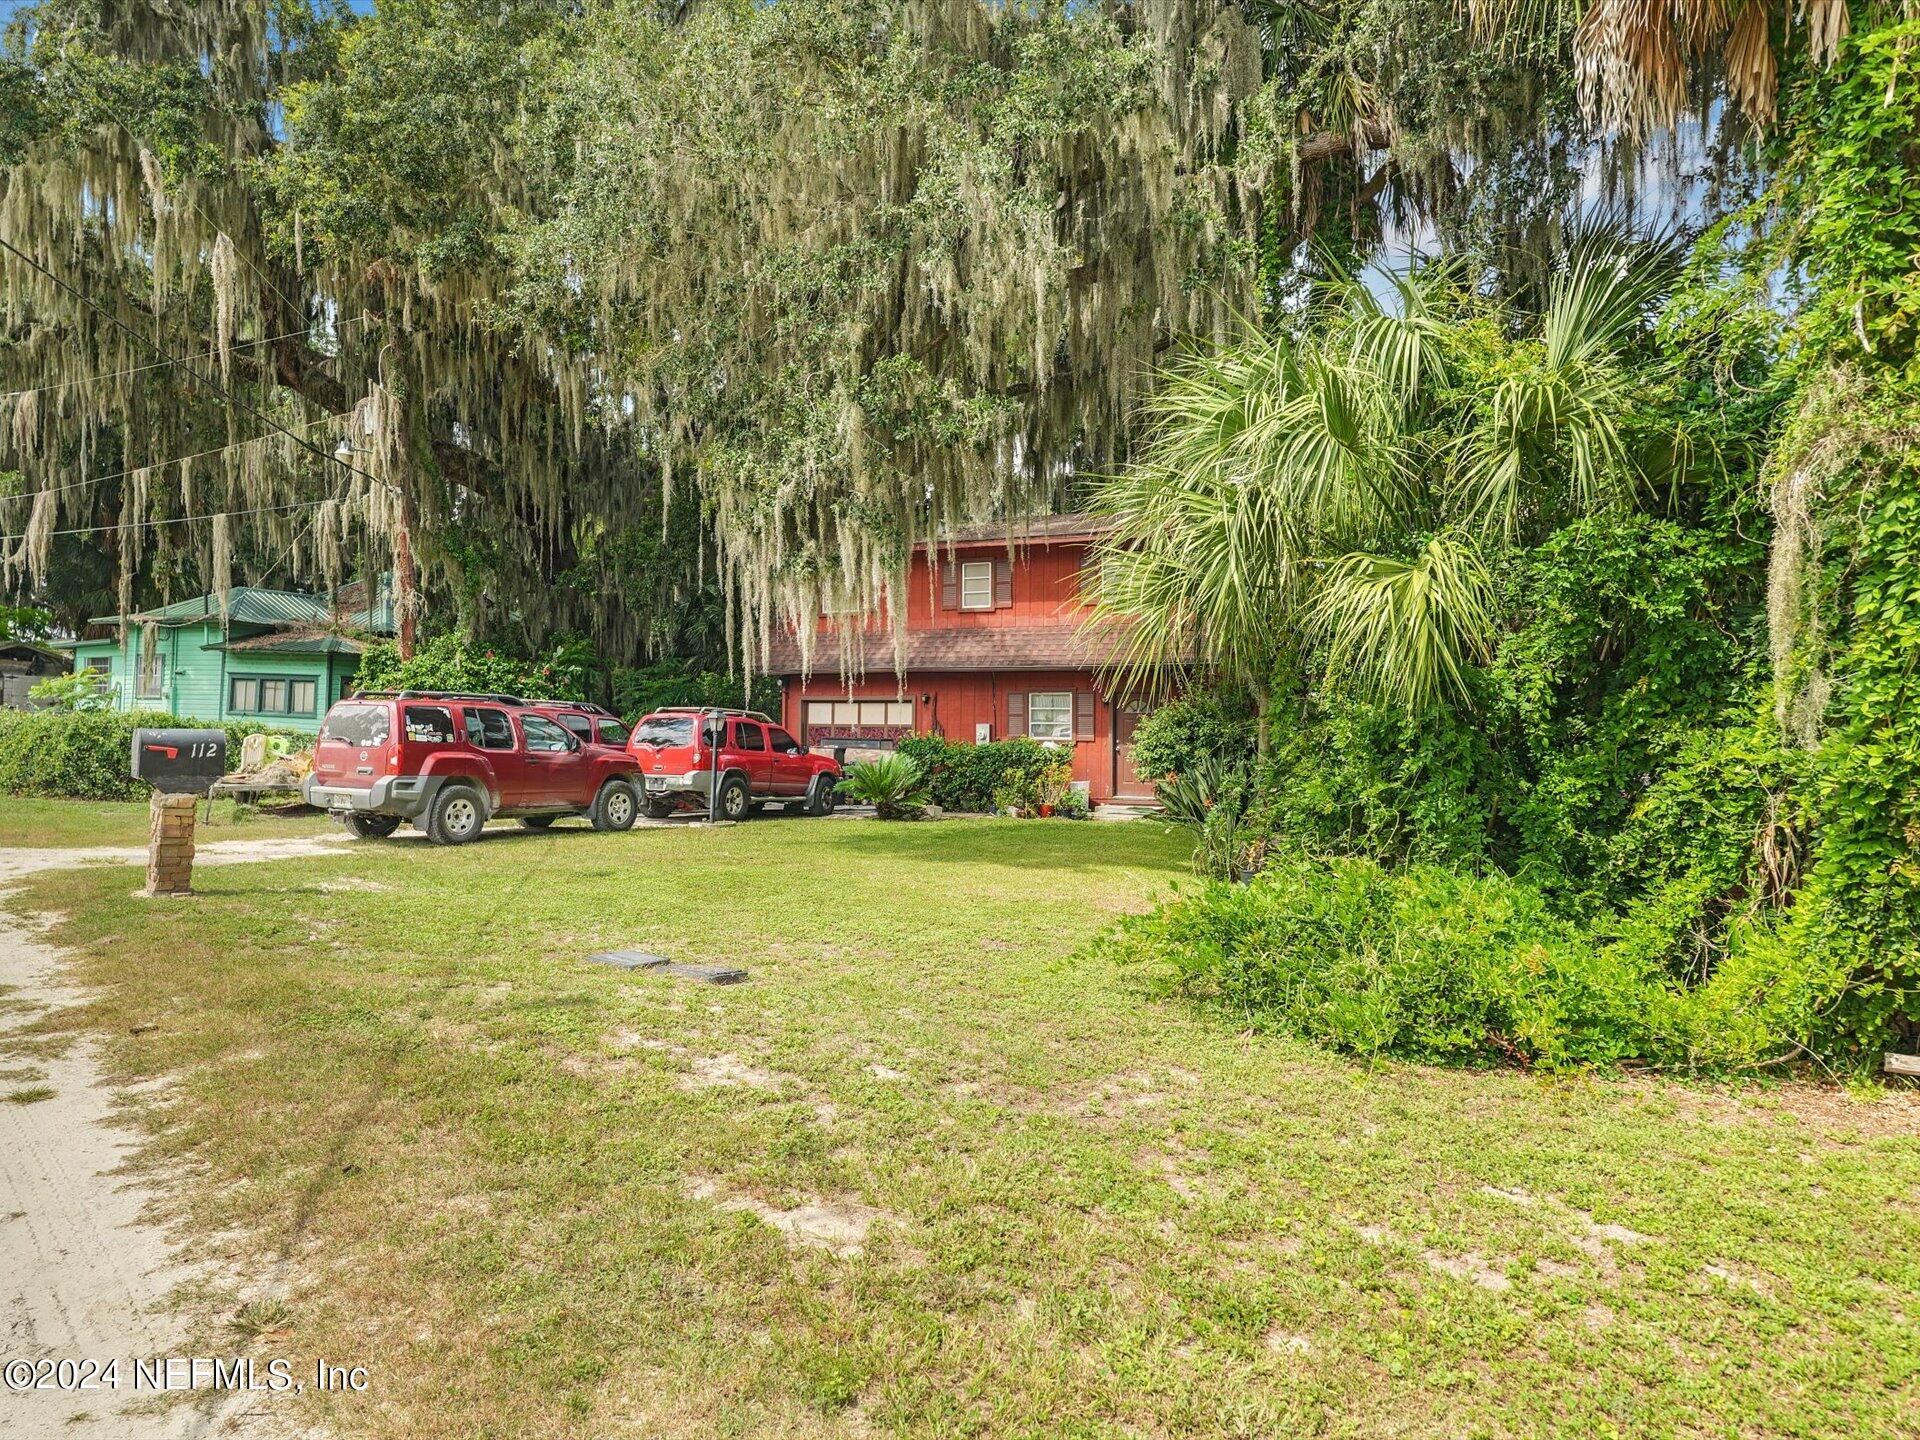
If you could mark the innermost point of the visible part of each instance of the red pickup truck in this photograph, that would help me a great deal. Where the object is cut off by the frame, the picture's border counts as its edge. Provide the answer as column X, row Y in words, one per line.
column 450, row 762
column 733, row 762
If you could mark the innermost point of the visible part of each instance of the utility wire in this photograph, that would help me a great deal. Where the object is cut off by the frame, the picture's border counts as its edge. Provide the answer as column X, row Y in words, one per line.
column 207, row 380
column 162, row 464
column 178, row 519
column 162, row 364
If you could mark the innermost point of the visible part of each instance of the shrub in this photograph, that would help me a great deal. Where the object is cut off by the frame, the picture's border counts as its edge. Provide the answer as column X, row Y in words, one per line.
column 1426, row 963
column 85, row 755
column 1198, row 728
column 1423, row 963
column 967, row 777
column 1031, row 791
column 895, row 785
column 76, row 690
column 448, row 662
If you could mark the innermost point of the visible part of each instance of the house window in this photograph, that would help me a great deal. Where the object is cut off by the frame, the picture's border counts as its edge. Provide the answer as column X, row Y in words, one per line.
column 271, row 695
column 1050, row 715
column 976, row 585
column 99, row 665
column 848, row 713
column 150, row 676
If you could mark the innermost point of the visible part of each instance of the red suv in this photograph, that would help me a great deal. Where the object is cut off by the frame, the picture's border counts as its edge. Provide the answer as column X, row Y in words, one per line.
column 593, row 724
column 451, row 762
column 730, row 761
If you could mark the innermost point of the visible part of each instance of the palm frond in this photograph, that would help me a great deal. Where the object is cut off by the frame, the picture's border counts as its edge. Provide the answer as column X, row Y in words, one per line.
column 1406, row 630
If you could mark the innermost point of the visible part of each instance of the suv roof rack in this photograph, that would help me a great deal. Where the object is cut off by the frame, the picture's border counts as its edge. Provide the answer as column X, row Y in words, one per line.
column 760, row 715
column 436, row 695
column 585, row 705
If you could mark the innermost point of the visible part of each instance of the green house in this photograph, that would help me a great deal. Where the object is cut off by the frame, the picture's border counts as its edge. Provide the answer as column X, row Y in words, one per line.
column 276, row 656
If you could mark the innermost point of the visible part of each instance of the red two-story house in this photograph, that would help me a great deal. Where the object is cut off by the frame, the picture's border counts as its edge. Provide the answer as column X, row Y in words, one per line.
column 993, row 648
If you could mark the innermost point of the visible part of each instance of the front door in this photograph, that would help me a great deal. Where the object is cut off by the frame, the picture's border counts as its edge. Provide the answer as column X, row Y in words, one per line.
column 1128, row 783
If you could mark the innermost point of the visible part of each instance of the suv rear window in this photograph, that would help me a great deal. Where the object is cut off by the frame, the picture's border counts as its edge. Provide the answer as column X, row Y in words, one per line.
column 357, row 725
column 432, row 724
column 665, row 731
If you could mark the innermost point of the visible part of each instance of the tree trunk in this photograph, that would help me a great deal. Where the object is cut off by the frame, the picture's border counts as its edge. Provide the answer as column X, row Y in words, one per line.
column 405, row 607
column 1262, row 717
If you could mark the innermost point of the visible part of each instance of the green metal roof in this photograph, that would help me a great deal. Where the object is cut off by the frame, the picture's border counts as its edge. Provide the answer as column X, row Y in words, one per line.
column 254, row 605
column 292, row 645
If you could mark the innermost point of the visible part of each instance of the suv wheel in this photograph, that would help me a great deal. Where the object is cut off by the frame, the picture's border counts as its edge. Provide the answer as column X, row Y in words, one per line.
column 820, row 800
column 614, row 808
column 660, row 809
column 372, row 827
column 456, row 816
column 732, row 801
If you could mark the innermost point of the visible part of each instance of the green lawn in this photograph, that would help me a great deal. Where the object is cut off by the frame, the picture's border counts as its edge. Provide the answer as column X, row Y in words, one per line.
column 541, row 1198
column 67, row 824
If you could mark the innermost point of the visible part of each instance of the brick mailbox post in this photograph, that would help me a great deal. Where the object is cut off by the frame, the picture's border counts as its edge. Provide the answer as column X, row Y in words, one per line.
column 181, row 765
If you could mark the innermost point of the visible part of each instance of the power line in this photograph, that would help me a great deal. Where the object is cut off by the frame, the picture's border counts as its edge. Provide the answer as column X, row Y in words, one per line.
column 207, row 380
column 162, row 464
column 162, row 364
column 177, row 520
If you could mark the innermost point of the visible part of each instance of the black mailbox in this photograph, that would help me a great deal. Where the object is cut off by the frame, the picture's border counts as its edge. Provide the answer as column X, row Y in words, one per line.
column 180, row 762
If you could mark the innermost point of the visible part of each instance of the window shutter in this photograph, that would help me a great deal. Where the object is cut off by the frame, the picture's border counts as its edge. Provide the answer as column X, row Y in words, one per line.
column 1002, row 584
column 1083, row 715
column 949, row 586
column 1016, row 714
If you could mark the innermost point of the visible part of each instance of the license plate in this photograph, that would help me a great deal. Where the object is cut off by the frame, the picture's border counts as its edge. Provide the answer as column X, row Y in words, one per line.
column 656, row 782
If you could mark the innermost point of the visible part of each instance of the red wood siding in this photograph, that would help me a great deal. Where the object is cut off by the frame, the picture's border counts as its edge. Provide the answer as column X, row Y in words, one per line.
column 953, row 704
column 1044, row 588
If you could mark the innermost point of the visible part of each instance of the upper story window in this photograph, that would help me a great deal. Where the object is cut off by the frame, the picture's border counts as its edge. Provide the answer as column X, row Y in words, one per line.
column 976, row 585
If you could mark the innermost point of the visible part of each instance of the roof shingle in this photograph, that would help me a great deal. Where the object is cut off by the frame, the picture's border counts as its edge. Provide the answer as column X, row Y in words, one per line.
column 999, row 647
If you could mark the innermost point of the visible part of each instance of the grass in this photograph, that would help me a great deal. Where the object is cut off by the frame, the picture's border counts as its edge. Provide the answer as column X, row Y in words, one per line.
column 27, row 1095
column 65, row 824
column 928, row 1173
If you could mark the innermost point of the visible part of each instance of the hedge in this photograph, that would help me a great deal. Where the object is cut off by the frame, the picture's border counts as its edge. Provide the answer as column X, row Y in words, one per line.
column 965, row 776
column 85, row 755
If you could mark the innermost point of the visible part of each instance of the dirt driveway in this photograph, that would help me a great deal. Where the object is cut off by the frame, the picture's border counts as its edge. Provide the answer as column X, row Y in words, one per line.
column 87, row 1271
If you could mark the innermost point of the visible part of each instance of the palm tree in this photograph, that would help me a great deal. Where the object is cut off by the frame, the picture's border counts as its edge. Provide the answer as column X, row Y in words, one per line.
column 1345, row 487
column 1637, row 59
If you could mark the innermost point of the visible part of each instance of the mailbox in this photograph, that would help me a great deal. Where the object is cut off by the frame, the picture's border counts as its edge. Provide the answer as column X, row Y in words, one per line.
column 180, row 762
